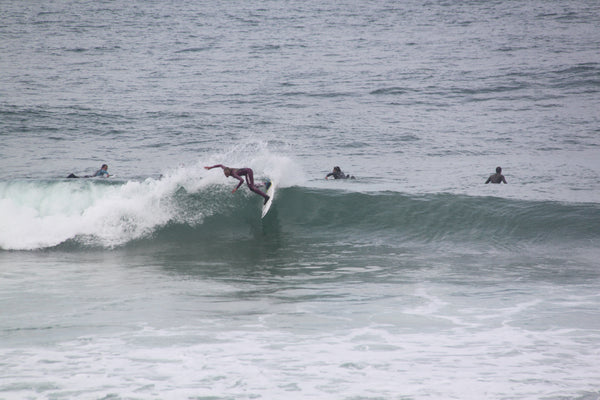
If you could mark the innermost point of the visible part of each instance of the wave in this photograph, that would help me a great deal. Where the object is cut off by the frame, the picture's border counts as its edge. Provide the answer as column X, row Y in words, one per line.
column 438, row 217
column 191, row 207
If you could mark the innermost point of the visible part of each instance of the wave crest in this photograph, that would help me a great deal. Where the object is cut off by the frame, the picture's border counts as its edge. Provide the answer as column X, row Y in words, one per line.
column 186, row 208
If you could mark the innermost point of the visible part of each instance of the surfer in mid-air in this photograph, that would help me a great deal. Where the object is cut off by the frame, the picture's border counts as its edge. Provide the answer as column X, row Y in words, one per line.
column 338, row 174
column 237, row 173
column 497, row 177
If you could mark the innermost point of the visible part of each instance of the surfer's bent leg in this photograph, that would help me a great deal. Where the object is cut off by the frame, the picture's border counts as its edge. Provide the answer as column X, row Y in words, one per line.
column 250, row 182
column 258, row 191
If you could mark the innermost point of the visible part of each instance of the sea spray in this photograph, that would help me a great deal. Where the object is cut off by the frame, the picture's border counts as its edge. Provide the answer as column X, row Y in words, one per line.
column 39, row 214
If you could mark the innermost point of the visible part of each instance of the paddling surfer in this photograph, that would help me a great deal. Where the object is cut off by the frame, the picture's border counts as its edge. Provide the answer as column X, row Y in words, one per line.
column 338, row 174
column 102, row 173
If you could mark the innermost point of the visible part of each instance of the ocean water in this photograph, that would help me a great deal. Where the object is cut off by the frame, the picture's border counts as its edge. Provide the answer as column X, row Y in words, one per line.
column 414, row 280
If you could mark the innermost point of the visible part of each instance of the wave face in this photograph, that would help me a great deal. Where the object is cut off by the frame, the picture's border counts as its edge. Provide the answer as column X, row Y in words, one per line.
column 441, row 216
column 202, row 212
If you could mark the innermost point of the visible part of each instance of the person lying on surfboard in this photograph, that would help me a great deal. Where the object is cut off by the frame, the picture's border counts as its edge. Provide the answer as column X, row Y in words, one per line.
column 237, row 173
column 102, row 172
column 338, row 174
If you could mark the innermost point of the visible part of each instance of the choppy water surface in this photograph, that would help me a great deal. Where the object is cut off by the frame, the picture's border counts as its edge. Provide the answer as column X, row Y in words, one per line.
column 415, row 280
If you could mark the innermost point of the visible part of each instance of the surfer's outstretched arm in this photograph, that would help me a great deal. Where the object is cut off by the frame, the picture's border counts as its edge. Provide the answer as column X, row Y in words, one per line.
column 229, row 172
column 215, row 166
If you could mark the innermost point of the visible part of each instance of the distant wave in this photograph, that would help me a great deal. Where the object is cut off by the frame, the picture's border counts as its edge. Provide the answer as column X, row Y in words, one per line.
column 96, row 213
column 193, row 49
column 390, row 90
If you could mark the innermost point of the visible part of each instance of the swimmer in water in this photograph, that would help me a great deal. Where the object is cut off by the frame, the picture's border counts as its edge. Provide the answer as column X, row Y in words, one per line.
column 497, row 177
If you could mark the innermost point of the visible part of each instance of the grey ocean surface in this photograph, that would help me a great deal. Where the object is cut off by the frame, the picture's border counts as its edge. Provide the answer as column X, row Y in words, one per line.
column 413, row 281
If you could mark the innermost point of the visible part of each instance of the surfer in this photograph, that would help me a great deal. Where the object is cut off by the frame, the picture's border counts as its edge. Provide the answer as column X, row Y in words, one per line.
column 338, row 174
column 497, row 177
column 102, row 172
column 237, row 173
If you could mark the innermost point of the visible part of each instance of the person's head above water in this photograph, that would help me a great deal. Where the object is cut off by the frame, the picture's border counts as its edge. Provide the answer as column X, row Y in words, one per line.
column 498, row 170
column 104, row 166
column 227, row 171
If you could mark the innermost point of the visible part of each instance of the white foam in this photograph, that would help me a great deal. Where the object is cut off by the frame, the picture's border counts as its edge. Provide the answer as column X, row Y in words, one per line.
column 362, row 362
column 38, row 214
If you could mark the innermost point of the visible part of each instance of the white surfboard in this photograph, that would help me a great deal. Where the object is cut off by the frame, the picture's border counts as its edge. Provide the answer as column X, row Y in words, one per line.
column 271, row 193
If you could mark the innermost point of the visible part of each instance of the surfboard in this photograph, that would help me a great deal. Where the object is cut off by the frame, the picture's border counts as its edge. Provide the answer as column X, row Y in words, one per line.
column 271, row 193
